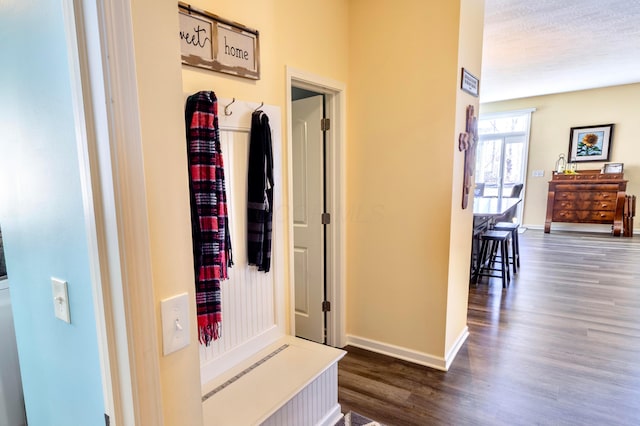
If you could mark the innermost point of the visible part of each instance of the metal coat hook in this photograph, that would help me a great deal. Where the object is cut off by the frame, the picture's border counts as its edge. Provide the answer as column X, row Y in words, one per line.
column 226, row 108
column 258, row 109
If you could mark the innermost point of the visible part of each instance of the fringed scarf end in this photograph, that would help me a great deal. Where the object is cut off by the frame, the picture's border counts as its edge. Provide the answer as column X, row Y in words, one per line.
column 210, row 332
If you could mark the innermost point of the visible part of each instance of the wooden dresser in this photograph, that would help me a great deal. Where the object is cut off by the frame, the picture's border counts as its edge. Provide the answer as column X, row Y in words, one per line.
column 586, row 197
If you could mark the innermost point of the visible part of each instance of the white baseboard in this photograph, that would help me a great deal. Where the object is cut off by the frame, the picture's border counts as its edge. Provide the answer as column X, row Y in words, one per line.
column 332, row 416
column 437, row 362
column 451, row 354
column 574, row 227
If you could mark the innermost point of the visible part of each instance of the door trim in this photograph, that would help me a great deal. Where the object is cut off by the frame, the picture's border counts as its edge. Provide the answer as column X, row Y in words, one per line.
column 110, row 150
column 335, row 105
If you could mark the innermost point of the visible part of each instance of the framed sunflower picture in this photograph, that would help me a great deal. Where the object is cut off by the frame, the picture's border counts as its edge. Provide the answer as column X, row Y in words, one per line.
column 590, row 143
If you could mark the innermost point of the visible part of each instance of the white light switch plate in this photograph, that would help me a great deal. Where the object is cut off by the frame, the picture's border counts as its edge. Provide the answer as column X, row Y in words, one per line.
column 60, row 300
column 175, row 323
column 537, row 173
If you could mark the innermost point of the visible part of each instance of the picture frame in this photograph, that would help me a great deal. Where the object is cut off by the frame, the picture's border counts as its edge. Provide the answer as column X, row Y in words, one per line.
column 469, row 83
column 613, row 168
column 590, row 143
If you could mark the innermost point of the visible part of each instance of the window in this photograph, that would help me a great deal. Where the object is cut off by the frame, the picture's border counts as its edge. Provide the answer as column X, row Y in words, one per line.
column 501, row 154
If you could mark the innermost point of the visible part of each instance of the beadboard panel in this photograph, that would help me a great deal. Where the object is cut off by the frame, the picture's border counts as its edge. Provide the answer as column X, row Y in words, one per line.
column 252, row 301
column 314, row 405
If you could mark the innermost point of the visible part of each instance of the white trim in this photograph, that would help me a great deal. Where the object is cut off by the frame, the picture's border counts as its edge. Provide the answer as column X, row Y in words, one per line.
column 437, row 362
column 527, row 138
column 86, row 153
column 451, row 354
column 336, row 243
column 332, row 417
column 575, row 227
column 123, row 237
column 492, row 115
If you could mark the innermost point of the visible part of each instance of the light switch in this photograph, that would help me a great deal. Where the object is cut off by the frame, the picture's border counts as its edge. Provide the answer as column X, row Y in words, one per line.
column 175, row 323
column 60, row 300
column 538, row 173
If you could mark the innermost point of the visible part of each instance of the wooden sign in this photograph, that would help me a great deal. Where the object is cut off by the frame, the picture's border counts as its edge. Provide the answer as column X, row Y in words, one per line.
column 210, row 42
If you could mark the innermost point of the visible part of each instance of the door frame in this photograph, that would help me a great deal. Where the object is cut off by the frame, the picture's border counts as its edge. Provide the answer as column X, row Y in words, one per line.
column 335, row 111
column 528, row 112
column 105, row 103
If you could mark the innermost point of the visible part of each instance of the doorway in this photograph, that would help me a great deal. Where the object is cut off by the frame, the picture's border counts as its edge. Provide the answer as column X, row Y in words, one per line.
column 310, row 216
column 316, row 152
column 501, row 155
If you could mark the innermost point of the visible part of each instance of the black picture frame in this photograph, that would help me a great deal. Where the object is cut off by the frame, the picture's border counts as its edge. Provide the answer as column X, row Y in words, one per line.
column 590, row 143
column 469, row 83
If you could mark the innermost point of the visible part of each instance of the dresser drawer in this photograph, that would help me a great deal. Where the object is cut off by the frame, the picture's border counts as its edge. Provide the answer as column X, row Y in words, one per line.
column 586, row 195
column 586, row 216
column 584, row 205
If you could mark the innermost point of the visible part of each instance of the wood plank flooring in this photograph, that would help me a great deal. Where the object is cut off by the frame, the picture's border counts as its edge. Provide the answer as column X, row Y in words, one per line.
column 560, row 346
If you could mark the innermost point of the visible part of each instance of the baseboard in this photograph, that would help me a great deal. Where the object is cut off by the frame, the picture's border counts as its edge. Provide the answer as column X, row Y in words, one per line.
column 574, row 227
column 451, row 354
column 437, row 362
column 332, row 417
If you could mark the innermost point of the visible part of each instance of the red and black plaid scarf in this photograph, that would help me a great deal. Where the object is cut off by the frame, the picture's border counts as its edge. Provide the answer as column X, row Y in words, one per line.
column 209, row 221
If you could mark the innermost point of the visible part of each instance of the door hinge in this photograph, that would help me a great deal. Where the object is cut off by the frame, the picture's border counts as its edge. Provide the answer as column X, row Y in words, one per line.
column 326, row 306
column 326, row 218
column 325, row 124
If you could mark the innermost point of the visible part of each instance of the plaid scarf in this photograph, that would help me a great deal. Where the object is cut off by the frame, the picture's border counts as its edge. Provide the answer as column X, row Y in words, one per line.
column 209, row 222
column 260, row 193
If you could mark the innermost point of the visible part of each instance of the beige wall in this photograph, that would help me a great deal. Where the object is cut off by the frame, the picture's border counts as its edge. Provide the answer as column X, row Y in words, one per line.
column 401, row 66
column 155, row 27
column 403, row 162
column 550, row 126
column 469, row 57
column 307, row 35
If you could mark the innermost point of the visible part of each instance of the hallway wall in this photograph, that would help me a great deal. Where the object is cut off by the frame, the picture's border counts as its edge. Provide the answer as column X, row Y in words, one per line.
column 41, row 213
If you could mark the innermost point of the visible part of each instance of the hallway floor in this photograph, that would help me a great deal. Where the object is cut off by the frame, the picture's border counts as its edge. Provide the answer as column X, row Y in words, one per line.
column 560, row 346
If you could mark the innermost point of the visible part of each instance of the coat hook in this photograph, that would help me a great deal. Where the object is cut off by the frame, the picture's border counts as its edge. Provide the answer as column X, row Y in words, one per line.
column 226, row 108
column 258, row 109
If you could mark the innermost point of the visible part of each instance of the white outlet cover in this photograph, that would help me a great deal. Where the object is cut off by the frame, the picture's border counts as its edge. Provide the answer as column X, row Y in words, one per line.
column 175, row 323
column 60, row 300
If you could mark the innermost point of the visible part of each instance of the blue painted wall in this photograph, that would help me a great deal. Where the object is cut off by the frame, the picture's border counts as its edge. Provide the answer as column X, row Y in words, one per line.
column 42, row 218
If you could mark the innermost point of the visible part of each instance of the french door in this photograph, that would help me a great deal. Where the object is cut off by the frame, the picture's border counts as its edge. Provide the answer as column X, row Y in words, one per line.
column 500, row 164
column 501, row 155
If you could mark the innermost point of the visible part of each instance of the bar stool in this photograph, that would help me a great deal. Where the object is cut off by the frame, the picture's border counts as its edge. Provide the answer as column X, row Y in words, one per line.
column 515, row 243
column 492, row 241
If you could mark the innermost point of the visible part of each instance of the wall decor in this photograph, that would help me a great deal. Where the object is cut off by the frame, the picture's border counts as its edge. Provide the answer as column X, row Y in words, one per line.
column 210, row 42
column 590, row 143
column 613, row 168
column 467, row 144
column 469, row 83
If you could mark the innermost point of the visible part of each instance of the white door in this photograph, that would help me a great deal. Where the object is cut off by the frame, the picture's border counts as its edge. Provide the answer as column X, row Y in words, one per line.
column 308, row 206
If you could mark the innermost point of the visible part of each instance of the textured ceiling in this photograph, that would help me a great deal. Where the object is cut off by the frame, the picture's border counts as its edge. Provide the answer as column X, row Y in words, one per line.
column 537, row 47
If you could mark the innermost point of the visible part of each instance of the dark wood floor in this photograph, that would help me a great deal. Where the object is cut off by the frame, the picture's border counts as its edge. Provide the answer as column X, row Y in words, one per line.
column 561, row 346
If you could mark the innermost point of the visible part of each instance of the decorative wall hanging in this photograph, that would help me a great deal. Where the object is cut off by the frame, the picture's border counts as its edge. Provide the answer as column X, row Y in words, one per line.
column 467, row 143
column 210, row 42
column 469, row 83
column 590, row 143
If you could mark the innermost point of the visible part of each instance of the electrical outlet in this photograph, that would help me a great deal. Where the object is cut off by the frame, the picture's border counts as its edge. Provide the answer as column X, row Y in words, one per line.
column 60, row 300
column 175, row 323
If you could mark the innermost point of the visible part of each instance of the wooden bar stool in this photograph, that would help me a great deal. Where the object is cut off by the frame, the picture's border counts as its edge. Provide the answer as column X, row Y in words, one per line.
column 492, row 242
column 515, row 243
